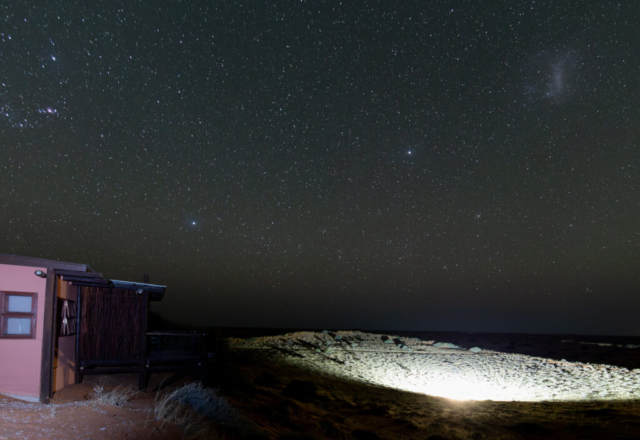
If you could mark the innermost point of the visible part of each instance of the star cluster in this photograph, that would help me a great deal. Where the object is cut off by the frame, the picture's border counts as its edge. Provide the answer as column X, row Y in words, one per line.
column 439, row 165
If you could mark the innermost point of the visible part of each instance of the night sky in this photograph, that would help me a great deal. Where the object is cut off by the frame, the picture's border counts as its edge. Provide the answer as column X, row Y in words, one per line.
column 367, row 164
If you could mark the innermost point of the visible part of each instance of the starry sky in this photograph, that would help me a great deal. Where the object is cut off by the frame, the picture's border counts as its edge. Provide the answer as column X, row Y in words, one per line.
column 441, row 165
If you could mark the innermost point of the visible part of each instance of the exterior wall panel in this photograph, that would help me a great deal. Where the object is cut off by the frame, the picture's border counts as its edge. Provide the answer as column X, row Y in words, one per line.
column 21, row 359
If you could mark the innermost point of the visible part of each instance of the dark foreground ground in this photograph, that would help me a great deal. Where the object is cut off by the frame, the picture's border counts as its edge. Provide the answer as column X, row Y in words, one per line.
column 287, row 403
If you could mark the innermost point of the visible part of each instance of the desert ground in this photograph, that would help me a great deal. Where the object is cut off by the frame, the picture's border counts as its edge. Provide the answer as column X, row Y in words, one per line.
column 285, row 384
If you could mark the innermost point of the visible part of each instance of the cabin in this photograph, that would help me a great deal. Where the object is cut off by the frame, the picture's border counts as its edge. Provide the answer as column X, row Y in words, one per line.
column 60, row 321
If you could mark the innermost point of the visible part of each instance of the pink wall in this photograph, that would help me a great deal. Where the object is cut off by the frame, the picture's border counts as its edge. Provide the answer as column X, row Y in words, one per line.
column 20, row 359
column 65, row 358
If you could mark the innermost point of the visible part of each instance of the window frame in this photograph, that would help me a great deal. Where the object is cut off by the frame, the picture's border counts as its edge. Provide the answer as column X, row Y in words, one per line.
column 4, row 314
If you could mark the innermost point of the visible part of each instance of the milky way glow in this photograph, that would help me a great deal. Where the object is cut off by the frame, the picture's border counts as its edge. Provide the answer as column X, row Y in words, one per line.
column 336, row 173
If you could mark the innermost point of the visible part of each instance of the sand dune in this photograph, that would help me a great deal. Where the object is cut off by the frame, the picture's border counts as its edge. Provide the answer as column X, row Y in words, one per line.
column 445, row 370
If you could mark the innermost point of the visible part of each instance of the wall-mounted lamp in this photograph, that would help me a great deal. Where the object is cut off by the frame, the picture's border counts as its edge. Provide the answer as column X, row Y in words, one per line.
column 41, row 273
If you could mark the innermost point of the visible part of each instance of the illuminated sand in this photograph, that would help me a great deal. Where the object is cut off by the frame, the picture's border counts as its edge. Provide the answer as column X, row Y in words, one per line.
column 421, row 367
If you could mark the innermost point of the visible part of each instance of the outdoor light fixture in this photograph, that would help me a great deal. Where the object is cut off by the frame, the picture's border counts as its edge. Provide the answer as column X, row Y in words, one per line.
column 40, row 273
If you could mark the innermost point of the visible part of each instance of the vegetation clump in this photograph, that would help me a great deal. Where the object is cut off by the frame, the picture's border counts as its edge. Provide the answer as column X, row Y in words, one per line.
column 202, row 412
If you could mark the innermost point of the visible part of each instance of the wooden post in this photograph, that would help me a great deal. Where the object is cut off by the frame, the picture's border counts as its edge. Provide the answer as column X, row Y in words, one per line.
column 48, row 338
column 78, row 377
column 54, row 332
column 142, row 375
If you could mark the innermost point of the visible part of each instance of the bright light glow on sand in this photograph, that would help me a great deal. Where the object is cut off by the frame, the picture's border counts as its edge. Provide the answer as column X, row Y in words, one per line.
column 465, row 383
column 460, row 389
column 464, row 389
column 453, row 373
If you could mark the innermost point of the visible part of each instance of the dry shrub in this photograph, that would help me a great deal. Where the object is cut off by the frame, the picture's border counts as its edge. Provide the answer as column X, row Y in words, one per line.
column 201, row 413
column 119, row 396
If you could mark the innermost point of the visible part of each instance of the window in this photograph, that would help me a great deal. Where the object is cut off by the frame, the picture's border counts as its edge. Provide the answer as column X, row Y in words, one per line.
column 18, row 315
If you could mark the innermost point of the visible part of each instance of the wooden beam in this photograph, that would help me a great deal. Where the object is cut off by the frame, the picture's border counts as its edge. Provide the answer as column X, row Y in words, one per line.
column 54, row 324
column 48, row 333
column 142, row 375
column 78, row 377
column 165, row 368
column 18, row 260
column 191, row 360
column 88, row 280
column 97, row 283
column 177, row 333
column 109, row 363
column 78, row 273
column 111, row 370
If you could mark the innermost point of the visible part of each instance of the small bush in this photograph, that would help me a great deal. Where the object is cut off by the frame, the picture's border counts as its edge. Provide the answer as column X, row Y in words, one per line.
column 116, row 397
column 205, row 401
column 197, row 410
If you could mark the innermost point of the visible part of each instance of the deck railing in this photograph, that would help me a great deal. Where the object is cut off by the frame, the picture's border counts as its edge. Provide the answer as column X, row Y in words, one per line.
column 163, row 345
column 165, row 351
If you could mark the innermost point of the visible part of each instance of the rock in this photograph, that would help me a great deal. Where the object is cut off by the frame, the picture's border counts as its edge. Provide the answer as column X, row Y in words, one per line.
column 475, row 350
column 446, row 345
